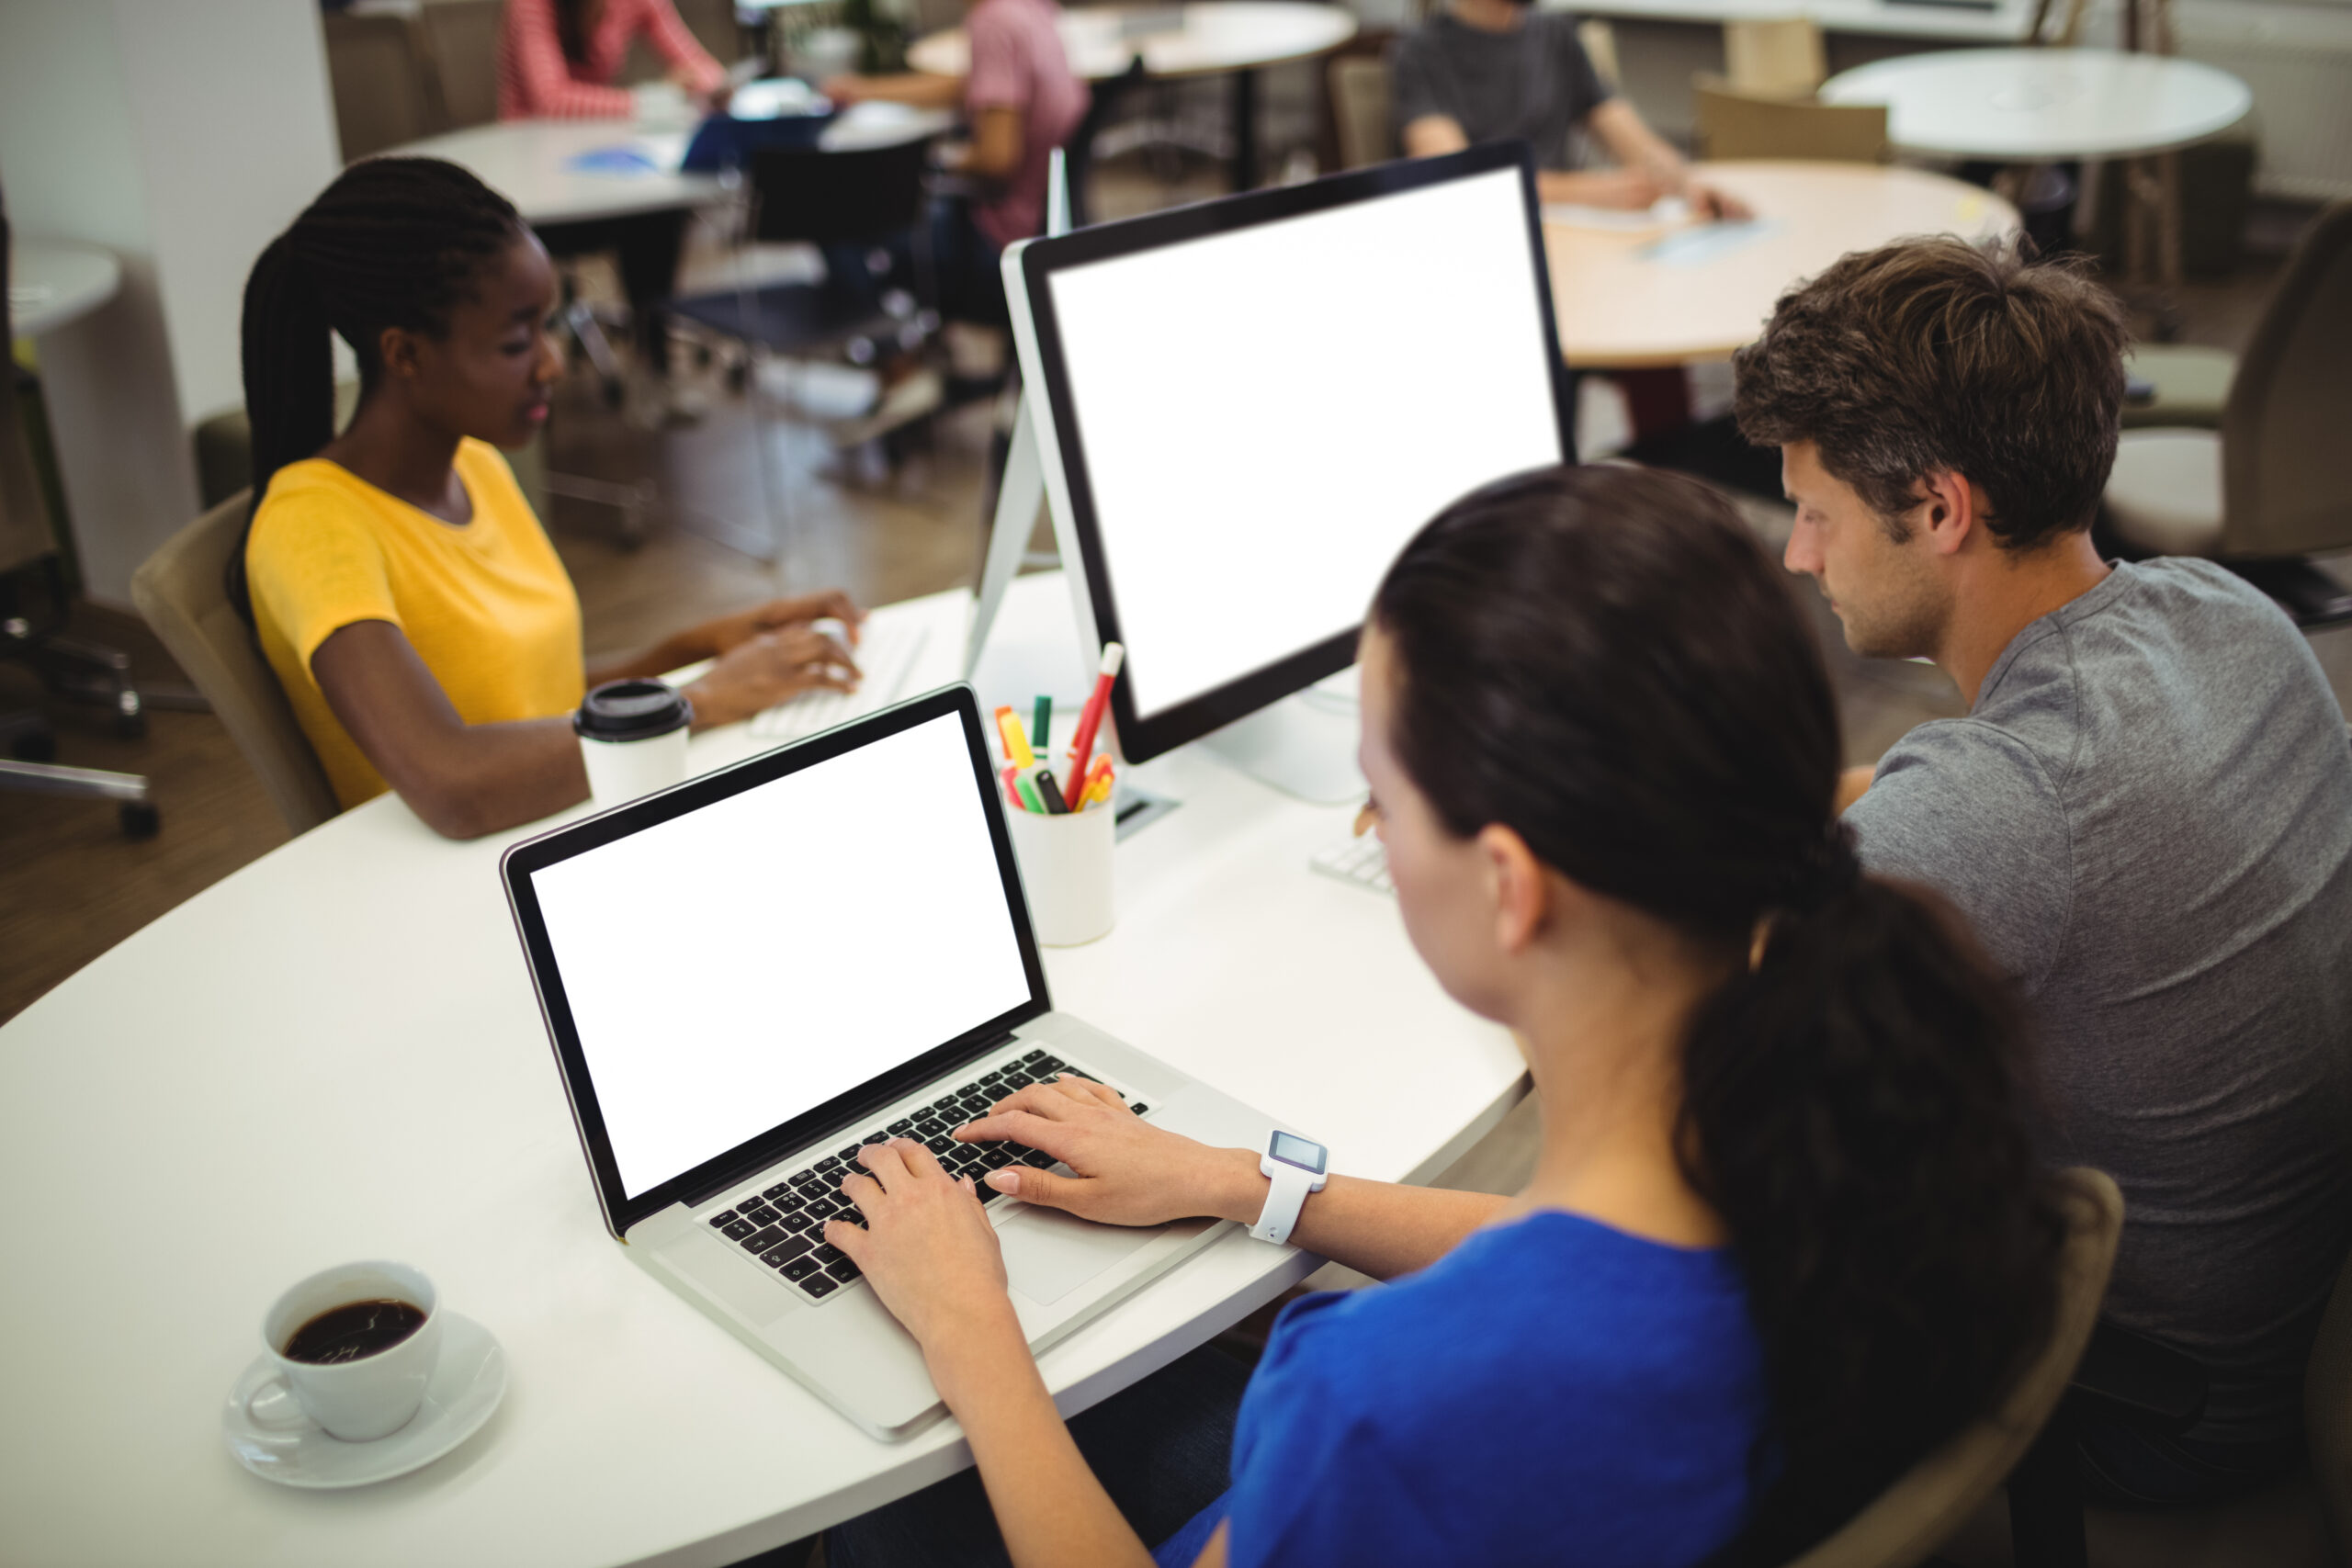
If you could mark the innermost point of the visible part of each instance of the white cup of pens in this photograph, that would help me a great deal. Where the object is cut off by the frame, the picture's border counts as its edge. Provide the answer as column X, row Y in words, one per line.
column 1058, row 809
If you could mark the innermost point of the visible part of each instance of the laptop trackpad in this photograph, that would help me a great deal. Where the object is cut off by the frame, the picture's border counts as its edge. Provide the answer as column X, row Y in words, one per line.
column 1048, row 1254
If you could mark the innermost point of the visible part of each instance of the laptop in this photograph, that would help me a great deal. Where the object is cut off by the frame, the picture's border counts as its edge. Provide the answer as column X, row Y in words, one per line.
column 748, row 976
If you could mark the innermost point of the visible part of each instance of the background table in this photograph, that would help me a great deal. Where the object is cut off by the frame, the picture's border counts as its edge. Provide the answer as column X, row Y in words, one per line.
column 1235, row 37
column 2003, row 22
column 336, row 1054
column 1621, row 302
column 2035, row 105
column 52, row 282
column 531, row 162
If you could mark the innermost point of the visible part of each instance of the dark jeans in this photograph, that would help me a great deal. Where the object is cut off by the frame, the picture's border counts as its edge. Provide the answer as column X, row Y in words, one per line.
column 648, row 245
column 1161, row 1448
column 2124, row 1466
column 964, row 283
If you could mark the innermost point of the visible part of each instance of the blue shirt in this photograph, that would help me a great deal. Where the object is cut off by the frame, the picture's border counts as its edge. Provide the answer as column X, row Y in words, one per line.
column 1551, row 1390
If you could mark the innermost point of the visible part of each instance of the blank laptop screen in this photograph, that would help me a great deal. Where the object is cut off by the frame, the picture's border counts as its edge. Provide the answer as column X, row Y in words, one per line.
column 737, row 966
column 1268, row 414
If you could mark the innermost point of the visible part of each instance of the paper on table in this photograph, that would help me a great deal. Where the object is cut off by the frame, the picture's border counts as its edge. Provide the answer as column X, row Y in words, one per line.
column 658, row 153
column 1619, row 220
column 1706, row 242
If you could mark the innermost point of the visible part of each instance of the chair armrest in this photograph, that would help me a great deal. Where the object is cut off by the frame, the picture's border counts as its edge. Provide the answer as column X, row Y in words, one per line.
column 2127, row 1375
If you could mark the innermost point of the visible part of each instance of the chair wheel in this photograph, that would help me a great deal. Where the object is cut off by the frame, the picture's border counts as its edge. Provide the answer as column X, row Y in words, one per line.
column 129, row 726
column 39, row 745
column 616, row 393
column 141, row 820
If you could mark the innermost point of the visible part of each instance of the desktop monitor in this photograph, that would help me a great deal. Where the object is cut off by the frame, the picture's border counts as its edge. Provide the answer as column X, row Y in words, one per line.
column 1244, row 409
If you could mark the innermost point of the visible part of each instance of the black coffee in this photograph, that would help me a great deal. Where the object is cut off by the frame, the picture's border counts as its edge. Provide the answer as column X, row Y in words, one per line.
column 349, row 1332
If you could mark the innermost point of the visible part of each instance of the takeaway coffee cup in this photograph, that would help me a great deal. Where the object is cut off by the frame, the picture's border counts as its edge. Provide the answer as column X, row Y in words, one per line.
column 633, row 739
column 353, row 1348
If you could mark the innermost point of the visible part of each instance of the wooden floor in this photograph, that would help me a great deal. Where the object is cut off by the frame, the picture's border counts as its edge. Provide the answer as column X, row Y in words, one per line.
column 71, row 886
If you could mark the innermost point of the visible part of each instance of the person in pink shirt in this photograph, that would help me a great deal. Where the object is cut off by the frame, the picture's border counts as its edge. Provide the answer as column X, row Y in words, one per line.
column 1023, row 101
column 557, row 59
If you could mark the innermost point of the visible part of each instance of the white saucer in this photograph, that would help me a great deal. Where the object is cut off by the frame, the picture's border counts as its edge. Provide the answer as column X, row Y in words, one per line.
column 467, row 1384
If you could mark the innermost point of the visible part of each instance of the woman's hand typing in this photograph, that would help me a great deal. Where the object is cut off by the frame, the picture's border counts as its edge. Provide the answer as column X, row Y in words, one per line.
column 1128, row 1171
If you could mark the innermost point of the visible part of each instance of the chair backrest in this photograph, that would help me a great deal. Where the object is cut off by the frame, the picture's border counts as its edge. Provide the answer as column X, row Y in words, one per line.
column 820, row 198
column 1733, row 124
column 2327, row 1411
column 1936, row 1496
column 1777, row 58
column 25, row 532
column 1360, row 110
column 179, row 590
column 382, row 84
column 2289, row 405
column 2058, row 23
column 461, row 40
column 713, row 24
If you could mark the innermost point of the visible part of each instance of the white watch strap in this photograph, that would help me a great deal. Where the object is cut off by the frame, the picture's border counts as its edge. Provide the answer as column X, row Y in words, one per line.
column 1283, row 1200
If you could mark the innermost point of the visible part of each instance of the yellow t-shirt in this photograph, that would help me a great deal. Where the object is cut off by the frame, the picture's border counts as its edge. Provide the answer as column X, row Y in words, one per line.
column 488, row 606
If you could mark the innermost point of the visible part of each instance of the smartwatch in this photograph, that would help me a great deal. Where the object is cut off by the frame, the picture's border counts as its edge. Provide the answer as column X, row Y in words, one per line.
column 1299, row 1166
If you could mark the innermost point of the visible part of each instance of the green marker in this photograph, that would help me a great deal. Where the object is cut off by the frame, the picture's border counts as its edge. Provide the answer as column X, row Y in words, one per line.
column 1030, row 799
column 1043, row 727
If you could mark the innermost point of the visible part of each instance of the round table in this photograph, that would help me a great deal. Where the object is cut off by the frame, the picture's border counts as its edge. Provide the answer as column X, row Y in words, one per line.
column 2034, row 105
column 1235, row 37
column 1627, row 298
column 532, row 162
column 52, row 282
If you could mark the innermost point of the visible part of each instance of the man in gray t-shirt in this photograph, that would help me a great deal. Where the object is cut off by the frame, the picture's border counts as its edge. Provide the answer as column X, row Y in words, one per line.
column 1499, row 70
column 2146, row 813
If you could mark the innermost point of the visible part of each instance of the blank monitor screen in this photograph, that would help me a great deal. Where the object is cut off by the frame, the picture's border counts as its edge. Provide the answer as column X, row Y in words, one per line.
column 739, row 965
column 1261, row 416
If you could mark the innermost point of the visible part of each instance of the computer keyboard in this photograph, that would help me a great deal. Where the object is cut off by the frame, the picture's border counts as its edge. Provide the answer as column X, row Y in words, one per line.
column 782, row 1224
column 1361, row 861
column 886, row 657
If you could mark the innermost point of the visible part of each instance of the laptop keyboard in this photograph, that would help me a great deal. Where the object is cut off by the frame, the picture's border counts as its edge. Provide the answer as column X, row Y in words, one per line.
column 782, row 1224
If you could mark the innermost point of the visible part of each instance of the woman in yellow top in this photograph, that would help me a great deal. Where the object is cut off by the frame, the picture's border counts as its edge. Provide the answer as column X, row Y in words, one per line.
column 401, row 587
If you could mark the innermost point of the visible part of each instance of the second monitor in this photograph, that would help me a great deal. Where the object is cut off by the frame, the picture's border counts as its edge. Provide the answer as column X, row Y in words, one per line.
column 1246, row 407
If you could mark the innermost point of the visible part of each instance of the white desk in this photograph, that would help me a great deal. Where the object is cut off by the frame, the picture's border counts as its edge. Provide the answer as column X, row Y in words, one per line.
column 2034, row 105
column 336, row 1054
column 52, row 282
column 530, row 161
column 2005, row 22
column 1223, row 37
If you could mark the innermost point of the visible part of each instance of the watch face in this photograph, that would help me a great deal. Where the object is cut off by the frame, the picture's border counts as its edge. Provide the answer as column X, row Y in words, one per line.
column 1306, row 1155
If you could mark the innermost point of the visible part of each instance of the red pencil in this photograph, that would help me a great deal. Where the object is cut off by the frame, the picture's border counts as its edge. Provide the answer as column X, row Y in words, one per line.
column 1091, row 718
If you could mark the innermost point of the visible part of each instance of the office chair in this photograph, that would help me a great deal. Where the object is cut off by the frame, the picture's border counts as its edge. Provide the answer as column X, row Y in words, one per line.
column 1780, row 57
column 180, row 589
column 460, row 40
column 1361, row 104
column 1935, row 1497
column 67, row 664
column 2264, row 493
column 381, row 80
column 1734, row 123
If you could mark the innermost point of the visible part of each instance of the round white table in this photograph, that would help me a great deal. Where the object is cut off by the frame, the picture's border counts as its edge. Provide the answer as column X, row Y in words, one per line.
column 52, row 282
column 535, row 163
column 336, row 1054
column 1217, row 38
column 2036, row 105
column 1631, row 298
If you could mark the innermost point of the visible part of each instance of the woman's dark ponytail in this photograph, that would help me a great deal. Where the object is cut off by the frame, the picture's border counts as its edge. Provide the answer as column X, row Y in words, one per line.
column 1605, row 660
column 392, row 242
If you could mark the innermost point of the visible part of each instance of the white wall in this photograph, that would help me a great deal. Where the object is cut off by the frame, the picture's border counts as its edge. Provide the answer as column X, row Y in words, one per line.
column 182, row 137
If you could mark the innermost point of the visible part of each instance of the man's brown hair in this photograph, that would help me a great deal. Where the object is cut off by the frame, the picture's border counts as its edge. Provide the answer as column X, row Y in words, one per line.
column 1930, row 356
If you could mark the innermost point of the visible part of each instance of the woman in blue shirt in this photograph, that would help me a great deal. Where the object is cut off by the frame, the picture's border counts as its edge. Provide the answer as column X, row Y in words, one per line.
column 1786, row 1231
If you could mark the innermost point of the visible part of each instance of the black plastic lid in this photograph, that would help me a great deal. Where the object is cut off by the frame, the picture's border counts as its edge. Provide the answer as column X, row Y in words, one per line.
column 631, row 710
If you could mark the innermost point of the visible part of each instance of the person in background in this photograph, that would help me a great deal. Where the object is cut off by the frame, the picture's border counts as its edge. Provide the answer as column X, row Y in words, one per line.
column 1785, row 1233
column 557, row 59
column 1499, row 70
column 395, row 577
column 1023, row 101
column 2146, row 812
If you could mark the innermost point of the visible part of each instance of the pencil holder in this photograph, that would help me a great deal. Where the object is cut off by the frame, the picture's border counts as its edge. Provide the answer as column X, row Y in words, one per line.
column 1066, row 872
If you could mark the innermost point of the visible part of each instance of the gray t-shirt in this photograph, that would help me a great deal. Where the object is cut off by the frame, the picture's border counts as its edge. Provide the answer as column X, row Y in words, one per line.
column 2148, row 817
column 1535, row 81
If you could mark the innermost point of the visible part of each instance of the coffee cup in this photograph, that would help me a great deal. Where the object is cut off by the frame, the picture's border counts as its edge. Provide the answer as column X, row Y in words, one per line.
column 352, row 1349
column 633, row 740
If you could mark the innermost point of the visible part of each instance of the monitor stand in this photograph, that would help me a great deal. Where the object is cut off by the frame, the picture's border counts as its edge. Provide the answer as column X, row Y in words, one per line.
column 1303, row 745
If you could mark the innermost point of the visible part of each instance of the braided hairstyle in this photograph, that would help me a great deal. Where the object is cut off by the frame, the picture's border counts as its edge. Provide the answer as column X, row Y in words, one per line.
column 1604, row 660
column 393, row 242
